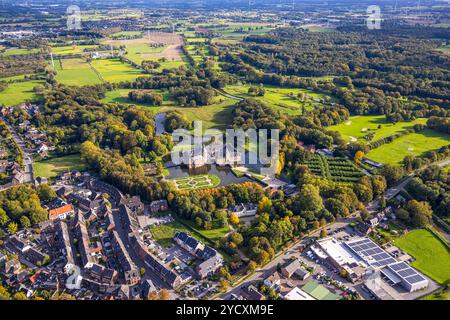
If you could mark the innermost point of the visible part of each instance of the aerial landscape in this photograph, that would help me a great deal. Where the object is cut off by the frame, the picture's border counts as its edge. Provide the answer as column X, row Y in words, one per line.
column 243, row 150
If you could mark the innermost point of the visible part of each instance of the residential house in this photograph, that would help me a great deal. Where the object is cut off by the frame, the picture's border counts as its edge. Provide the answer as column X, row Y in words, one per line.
column 135, row 204
column 254, row 294
column 243, row 210
column 61, row 213
column 273, row 281
column 159, row 206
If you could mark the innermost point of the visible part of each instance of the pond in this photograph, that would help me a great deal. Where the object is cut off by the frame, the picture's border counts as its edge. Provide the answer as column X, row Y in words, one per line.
column 159, row 122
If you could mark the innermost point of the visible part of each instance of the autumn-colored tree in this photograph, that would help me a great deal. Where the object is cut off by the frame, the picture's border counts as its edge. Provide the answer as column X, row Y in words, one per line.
column 234, row 219
column 164, row 294
column 264, row 205
column 359, row 155
column 251, row 267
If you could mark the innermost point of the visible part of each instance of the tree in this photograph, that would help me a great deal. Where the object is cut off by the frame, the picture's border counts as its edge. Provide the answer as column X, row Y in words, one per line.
column 420, row 213
column 164, row 294
column 236, row 238
column 251, row 267
column 19, row 296
column 224, row 284
column 25, row 222
column 323, row 233
column 46, row 193
column 12, row 228
column 234, row 219
column 359, row 155
column 309, row 199
column 264, row 205
column 4, row 294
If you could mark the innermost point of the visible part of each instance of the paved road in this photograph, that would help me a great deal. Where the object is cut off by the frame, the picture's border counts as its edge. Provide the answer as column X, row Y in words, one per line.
column 28, row 159
column 269, row 268
column 230, row 95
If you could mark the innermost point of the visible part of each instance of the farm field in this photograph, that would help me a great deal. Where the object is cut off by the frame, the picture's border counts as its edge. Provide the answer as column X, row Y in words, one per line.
column 18, row 51
column 75, row 72
column 279, row 98
column 112, row 70
column 196, row 182
column 19, row 92
column 432, row 257
column 413, row 144
column 335, row 169
column 358, row 126
column 53, row 167
column 76, row 49
column 126, row 34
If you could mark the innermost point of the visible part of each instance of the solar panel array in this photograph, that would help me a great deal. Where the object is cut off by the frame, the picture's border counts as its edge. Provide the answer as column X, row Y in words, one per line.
column 404, row 271
column 370, row 252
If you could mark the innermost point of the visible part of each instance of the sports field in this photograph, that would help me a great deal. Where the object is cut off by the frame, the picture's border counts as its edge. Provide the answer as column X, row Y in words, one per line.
column 19, row 92
column 112, row 70
column 432, row 257
column 75, row 72
column 359, row 126
column 53, row 167
column 414, row 144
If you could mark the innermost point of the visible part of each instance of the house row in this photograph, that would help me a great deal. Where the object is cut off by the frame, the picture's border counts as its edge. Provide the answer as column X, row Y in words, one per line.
column 130, row 271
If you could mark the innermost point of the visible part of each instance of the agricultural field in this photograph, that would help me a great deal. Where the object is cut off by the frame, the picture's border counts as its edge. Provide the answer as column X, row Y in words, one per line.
column 445, row 49
column 53, row 167
column 281, row 99
column 196, row 182
column 75, row 49
column 19, row 92
column 336, row 169
column 123, row 34
column 357, row 127
column 413, row 144
column 18, row 51
column 112, row 70
column 75, row 72
column 432, row 257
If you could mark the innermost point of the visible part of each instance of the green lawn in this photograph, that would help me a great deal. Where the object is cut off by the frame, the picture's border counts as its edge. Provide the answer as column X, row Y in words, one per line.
column 432, row 257
column 112, row 70
column 414, row 144
column 51, row 168
column 18, row 51
column 164, row 233
column 213, row 235
column 75, row 72
column 358, row 126
column 19, row 92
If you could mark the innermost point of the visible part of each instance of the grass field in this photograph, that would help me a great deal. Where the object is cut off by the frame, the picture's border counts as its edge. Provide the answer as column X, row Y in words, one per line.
column 358, row 126
column 19, row 92
column 53, row 167
column 216, row 116
column 414, row 144
column 432, row 257
column 63, row 50
column 75, row 72
column 214, row 234
column 18, row 51
column 112, row 70
column 164, row 233
column 282, row 99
